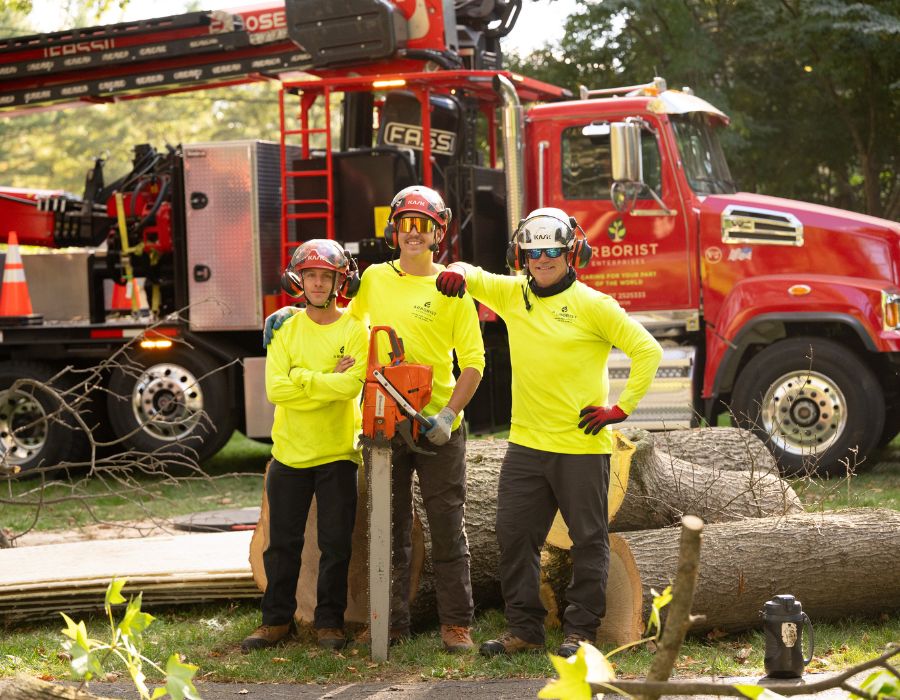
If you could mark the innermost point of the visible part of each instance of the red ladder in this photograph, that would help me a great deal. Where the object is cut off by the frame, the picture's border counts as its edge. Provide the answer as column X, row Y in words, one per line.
column 323, row 209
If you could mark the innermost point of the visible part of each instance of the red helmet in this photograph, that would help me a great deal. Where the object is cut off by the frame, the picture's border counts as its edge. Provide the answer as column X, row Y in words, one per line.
column 321, row 253
column 422, row 200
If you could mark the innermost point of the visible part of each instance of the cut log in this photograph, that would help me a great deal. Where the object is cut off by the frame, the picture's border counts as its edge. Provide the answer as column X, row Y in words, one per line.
column 727, row 449
column 26, row 688
column 661, row 489
column 836, row 563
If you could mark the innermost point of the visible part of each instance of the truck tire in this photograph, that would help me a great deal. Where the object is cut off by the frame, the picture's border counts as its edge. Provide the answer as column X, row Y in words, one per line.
column 816, row 412
column 34, row 432
column 174, row 402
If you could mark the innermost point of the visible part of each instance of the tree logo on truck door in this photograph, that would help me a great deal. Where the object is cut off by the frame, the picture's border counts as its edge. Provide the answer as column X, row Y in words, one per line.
column 616, row 231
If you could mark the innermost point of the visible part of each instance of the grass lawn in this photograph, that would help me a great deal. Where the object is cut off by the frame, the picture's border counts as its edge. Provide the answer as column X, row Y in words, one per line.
column 209, row 635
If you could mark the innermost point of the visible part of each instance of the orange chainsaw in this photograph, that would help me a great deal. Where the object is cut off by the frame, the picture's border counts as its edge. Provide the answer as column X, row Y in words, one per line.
column 393, row 398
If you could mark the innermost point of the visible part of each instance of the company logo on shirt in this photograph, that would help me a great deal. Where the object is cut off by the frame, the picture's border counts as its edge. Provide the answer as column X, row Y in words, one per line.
column 563, row 315
column 424, row 312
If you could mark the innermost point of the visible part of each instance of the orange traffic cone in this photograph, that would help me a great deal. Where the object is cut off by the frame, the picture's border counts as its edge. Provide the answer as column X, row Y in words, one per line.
column 15, row 303
column 126, row 297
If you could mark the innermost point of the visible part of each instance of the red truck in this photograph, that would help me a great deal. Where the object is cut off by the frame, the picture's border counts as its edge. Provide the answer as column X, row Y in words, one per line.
column 784, row 314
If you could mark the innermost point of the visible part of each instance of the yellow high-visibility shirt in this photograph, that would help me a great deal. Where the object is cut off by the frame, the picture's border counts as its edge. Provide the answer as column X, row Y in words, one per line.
column 431, row 325
column 317, row 412
column 558, row 352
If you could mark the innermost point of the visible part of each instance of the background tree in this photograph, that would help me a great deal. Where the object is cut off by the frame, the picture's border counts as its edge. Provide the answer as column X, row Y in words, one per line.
column 811, row 85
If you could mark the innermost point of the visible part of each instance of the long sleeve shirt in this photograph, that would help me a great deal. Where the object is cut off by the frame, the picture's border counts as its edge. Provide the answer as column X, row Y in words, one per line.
column 558, row 352
column 317, row 413
column 431, row 325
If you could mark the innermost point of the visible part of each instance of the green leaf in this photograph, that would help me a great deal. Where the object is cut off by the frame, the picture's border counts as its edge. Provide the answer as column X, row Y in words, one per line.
column 599, row 670
column 114, row 592
column 572, row 683
column 660, row 600
column 759, row 693
column 139, row 679
column 880, row 684
column 134, row 622
column 179, row 679
column 157, row 693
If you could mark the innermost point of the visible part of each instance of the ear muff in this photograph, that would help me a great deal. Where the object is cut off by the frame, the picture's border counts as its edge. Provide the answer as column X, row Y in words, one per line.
column 291, row 283
column 390, row 233
column 350, row 287
column 512, row 256
column 581, row 252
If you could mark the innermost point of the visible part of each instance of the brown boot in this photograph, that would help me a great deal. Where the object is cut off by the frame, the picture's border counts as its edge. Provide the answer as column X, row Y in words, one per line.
column 507, row 643
column 331, row 638
column 266, row 636
column 456, row 638
column 570, row 644
column 395, row 636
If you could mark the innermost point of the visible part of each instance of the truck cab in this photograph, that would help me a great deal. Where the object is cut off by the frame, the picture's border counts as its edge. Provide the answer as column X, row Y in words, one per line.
column 777, row 313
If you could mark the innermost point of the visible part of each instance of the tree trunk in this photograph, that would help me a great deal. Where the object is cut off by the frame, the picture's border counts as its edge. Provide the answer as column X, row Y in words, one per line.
column 835, row 563
column 726, row 449
column 662, row 489
column 26, row 688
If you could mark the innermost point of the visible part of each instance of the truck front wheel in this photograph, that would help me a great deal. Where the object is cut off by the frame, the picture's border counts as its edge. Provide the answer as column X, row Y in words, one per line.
column 816, row 405
column 174, row 403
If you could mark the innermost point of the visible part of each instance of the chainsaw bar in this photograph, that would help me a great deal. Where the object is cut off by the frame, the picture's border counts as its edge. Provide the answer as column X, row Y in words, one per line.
column 378, row 478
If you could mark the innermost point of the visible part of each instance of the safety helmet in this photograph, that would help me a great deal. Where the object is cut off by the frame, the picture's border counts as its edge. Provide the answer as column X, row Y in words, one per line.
column 422, row 200
column 547, row 227
column 321, row 253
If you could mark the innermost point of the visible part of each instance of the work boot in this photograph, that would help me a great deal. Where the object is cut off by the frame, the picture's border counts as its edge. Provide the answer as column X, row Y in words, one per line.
column 331, row 638
column 507, row 643
column 265, row 636
column 395, row 636
column 456, row 638
column 570, row 644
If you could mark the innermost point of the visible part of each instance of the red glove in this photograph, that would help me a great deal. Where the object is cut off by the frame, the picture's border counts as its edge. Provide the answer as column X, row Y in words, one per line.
column 452, row 282
column 594, row 418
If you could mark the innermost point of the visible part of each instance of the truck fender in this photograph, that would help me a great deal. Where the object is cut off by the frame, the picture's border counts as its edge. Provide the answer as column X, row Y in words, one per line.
column 759, row 311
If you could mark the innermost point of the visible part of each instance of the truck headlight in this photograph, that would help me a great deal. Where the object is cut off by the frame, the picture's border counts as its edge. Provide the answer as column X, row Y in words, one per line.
column 890, row 310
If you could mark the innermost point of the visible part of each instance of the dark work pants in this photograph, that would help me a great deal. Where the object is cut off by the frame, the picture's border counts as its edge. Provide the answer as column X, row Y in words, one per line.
column 533, row 484
column 290, row 493
column 442, row 482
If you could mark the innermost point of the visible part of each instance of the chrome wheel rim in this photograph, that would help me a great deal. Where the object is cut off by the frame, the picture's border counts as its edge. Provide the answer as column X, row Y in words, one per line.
column 167, row 402
column 804, row 412
column 23, row 426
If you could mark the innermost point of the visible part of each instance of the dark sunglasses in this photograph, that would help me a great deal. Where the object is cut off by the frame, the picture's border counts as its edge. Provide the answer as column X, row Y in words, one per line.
column 422, row 224
column 535, row 253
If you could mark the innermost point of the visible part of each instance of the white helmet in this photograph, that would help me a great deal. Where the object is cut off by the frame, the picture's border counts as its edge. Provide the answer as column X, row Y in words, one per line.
column 547, row 227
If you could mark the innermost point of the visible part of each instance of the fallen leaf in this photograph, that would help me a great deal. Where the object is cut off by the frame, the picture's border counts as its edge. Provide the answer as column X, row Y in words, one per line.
column 716, row 633
column 112, row 676
column 46, row 677
column 278, row 660
column 64, row 656
column 351, row 668
column 741, row 655
column 243, row 691
column 225, row 501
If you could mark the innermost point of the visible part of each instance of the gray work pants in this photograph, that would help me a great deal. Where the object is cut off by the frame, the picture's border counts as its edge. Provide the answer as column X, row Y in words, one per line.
column 442, row 481
column 533, row 484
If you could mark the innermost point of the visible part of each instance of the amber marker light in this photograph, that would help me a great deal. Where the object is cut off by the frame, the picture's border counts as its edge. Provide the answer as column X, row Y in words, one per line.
column 799, row 290
column 890, row 310
column 156, row 344
column 388, row 83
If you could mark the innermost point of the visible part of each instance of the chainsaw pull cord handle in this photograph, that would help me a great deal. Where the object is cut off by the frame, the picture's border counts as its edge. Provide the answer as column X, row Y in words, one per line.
column 397, row 353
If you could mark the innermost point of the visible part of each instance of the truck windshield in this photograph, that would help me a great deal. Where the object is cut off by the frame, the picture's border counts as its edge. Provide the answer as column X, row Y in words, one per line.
column 704, row 162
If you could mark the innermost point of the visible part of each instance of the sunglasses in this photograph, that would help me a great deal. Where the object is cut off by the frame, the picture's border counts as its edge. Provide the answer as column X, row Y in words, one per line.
column 535, row 253
column 422, row 224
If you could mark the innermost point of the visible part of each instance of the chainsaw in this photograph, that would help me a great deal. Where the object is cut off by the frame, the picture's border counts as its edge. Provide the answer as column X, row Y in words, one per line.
column 393, row 397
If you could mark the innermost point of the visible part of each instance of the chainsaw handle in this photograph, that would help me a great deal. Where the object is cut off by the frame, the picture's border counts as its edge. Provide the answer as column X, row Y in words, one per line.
column 397, row 353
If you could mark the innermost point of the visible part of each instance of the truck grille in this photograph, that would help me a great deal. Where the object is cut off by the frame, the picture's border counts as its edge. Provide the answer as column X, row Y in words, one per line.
column 742, row 224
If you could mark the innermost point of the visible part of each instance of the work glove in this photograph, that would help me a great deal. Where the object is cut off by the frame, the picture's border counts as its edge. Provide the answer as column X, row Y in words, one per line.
column 441, row 425
column 595, row 418
column 274, row 321
column 452, row 282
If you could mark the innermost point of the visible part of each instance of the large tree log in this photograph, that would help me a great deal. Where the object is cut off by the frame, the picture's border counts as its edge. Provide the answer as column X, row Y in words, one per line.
column 27, row 688
column 728, row 449
column 836, row 563
column 661, row 489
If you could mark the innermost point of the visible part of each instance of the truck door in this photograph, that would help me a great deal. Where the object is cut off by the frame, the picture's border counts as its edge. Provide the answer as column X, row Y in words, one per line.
column 644, row 261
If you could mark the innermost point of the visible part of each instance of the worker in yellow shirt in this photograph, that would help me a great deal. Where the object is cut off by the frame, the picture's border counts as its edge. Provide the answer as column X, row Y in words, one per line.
column 560, row 335
column 402, row 294
column 315, row 370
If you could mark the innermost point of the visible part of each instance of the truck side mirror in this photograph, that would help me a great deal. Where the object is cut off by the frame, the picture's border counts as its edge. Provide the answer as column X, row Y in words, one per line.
column 625, row 151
